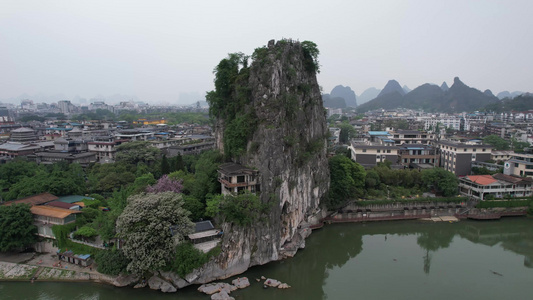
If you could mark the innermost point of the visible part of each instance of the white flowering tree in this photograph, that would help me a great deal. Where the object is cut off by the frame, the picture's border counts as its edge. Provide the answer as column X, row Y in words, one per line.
column 152, row 225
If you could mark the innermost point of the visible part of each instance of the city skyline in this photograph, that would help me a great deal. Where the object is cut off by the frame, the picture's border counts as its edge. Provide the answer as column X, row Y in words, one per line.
column 164, row 52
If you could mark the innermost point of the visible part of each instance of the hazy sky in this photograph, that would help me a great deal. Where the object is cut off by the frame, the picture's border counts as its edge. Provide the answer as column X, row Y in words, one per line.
column 158, row 50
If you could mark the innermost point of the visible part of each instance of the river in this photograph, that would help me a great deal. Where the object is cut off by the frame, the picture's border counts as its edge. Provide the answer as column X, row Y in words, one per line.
column 381, row 260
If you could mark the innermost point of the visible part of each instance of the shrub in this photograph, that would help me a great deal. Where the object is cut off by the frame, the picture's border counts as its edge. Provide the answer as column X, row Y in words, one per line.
column 111, row 262
column 187, row 258
column 86, row 232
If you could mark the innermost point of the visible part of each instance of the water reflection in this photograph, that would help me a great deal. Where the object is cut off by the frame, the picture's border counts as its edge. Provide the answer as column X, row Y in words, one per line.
column 344, row 260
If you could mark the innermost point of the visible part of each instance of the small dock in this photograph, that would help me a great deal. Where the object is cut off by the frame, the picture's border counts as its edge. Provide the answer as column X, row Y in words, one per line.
column 441, row 219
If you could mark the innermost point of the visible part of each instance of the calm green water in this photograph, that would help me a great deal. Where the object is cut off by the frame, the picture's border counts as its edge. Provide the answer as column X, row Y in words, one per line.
column 387, row 260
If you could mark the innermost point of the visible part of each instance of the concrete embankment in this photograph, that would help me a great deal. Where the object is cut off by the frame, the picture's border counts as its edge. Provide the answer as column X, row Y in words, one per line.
column 435, row 211
column 23, row 272
column 45, row 267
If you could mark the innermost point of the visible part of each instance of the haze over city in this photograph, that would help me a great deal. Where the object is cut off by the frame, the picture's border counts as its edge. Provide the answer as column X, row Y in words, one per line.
column 164, row 52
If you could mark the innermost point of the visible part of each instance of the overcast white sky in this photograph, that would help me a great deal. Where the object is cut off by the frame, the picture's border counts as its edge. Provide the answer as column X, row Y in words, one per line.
column 158, row 50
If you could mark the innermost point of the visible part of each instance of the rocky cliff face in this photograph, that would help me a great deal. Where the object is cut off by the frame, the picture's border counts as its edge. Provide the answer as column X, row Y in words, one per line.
column 288, row 148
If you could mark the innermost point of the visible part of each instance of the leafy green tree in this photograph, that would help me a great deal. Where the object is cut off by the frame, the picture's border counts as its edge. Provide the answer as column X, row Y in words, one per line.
column 347, row 132
column 138, row 151
column 152, row 225
column 519, row 146
column 242, row 209
column 187, row 179
column 311, row 53
column 372, row 179
column 207, row 175
column 16, row 227
column 177, row 163
column 165, row 165
column 142, row 182
column 346, row 182
column 59, row 179
column 497, row 142
column 442, row 181
column 195, row 206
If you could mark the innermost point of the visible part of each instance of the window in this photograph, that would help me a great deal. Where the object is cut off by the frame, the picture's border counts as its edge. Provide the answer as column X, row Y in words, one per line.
column 388, row 151
column 364, row 150
column 474, row 150
column 379, row 151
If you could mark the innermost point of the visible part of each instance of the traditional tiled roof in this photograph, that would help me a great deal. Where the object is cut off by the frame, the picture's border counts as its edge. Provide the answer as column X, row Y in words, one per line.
column 35, row 199
column 233, row 168
column 203, row 226
column 481, row 179
column 60, row 204
column 513, row 179
column 53, row 212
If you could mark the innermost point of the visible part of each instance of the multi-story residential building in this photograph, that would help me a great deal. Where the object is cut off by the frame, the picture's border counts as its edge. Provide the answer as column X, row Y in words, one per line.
column 105, row 148
column 190, row 148
column 501, row 155
column 520, row 164
column 453, row 122
column 412, row 137
column 458, row 157
column 235, row 179
column 495, row 186
column 370, row 155
column 416, row 155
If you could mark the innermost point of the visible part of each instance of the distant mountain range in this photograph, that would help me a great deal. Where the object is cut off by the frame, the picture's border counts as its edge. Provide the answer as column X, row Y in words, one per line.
column 346, row 93
column 368, row 95
column 507, row 94
column 429, row 97
column 523, row 102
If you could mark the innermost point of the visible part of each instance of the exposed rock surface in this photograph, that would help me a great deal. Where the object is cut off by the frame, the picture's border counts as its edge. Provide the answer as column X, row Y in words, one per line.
column 156, row 283
column 213, row 288
column 288, row 148
column 174, row 279
column 122, row 281
column 223, row 295
column 241, row 282
column 272, row 282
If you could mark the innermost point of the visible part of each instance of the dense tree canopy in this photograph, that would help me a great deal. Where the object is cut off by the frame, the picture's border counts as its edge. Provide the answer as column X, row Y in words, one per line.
column 347, row 132
column 59, row 179
column 138, row 151
column 442, row 181
column 497, row 142
column 152, row 225
column 347, row 180
column 16, row 227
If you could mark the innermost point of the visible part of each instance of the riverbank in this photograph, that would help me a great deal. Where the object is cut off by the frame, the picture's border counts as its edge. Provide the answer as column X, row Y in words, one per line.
column 46, row 267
